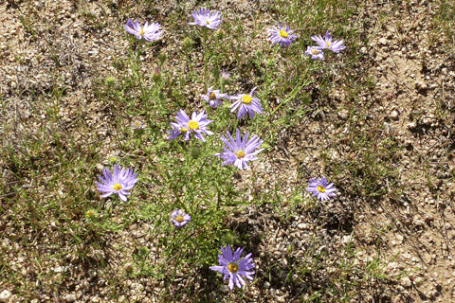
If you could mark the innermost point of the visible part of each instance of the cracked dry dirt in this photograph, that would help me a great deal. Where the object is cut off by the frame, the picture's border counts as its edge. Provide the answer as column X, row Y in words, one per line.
column 413, row 99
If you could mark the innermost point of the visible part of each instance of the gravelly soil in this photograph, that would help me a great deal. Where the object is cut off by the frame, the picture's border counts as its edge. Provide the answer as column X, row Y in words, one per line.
column 411, row 233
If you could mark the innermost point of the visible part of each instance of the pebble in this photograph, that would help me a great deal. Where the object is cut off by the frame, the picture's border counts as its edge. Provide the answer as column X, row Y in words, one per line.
column 394, row 115
column 70, row 298
column 61, row 269
column 426, row 121
column 5, row 295
column 302, row 226
column 346, row 239
column 343, row 114
column 383, row 41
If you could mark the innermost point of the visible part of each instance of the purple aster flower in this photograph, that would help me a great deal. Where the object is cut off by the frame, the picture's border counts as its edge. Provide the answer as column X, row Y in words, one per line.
column 148, row 32
column 225, row 75
column 203, row 17
column 326, row 42
column 282, row 35
column 197, row 125
column 213, row 97
column 117, row 183
column 179, row 218
column 232, row 267
column 246, row 104
column 315, row 52
column 239, row 151
column 321, row 189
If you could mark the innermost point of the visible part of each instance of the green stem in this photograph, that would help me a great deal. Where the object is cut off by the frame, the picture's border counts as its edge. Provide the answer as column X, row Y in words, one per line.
column 205, row 57
column 294, row 92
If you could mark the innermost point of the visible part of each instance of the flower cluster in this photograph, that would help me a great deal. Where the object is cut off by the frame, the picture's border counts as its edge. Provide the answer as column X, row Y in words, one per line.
column 238, row 150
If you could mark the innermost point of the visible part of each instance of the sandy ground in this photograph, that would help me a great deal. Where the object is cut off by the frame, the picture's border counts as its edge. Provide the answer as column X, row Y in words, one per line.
column 412, row 103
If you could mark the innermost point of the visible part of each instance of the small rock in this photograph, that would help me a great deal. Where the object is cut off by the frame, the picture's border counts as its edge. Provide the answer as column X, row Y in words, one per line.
column 406, row 282
column 281, row 299
column 383, row 41
column 426, row 121
column 394, row 115
column 5, row 295
column 60, row 269
column 346, row 240
column 421, row 84
column 392, row 266
column 427, row 258
column 302, row 226
column 412, row 125
column 70, row 298
column 343, row 114
column 95, row 299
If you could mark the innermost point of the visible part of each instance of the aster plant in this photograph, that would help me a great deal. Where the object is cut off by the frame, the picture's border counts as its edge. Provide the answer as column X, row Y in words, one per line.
column 282, row 35
column 179, row 218
column 315, row 52
column 239, row 151
column 233, row 268
column 246, row 103
column 326, row 43
column 205, row 18
column 122, row 180
column 321, row 189
column 196, row 125
column 150, row 32
column 213, row 97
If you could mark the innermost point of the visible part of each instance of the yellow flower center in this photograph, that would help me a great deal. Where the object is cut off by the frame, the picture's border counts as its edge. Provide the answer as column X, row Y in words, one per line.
column 208, row 22
column 240, row 154
column 212, row 96
column 328, row 44
column 142, row 32
column 90, row 214
column 117, row 187
column 193, row 125
column 283, row 33
column 183, row 130
column 179, row 219
column 321, row 189
column 315, row 51
column 233, row 267
column 246, row 99
column 137, row 124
